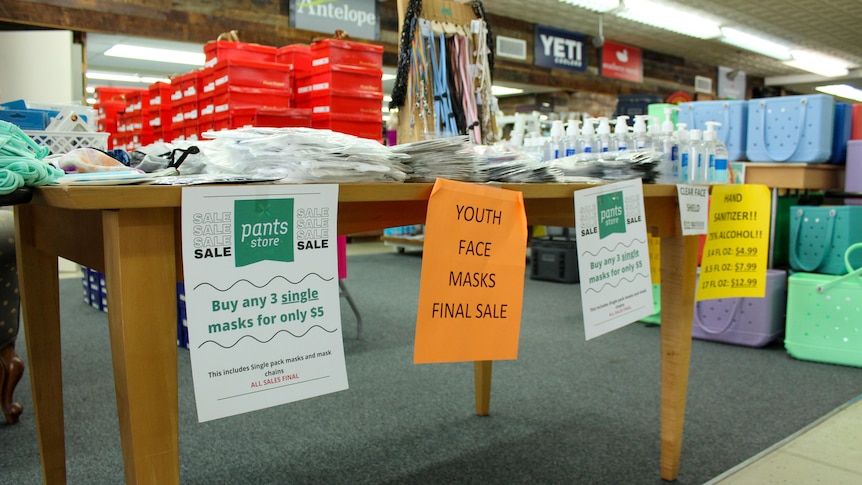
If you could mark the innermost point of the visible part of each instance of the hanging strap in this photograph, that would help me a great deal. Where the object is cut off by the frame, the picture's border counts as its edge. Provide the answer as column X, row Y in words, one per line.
column 726, row 324
column 773, row 151
column 796, row 229
column 851, row 273
column 445, row 124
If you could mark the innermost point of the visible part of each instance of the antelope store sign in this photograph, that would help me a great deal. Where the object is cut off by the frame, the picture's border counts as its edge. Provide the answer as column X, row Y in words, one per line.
column 622, row 61
column 559, row 49
column 356, row 17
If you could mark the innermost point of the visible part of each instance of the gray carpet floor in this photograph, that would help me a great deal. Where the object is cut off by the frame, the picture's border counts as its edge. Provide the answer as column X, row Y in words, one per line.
column 566, row 411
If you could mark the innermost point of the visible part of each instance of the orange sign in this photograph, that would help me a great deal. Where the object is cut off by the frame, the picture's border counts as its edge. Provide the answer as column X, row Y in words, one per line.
column 472, row 285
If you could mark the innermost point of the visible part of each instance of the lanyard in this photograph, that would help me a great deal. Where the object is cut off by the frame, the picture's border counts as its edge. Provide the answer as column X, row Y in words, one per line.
column 442, row 103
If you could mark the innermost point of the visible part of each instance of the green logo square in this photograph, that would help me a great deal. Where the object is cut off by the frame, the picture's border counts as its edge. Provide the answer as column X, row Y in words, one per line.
column 612, row 215
column 263, row 231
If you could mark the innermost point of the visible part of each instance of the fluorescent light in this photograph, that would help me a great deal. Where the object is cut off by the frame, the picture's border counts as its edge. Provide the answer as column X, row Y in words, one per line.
column 842, row 91
column 818, row 63
column 387, row 77
column 667, row 17
column 754, row 43
column 156, row 55
column 126, row 78
column 387, row 98
column 504, row 91
column 599, row 6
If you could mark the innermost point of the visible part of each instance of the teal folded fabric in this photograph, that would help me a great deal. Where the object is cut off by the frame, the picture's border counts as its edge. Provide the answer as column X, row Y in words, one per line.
column 22, row 161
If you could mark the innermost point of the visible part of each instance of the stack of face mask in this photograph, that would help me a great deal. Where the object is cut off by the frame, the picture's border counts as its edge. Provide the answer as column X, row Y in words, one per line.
column 22, row 161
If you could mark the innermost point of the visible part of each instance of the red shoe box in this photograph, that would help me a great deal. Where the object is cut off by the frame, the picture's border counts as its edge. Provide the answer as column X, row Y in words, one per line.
column 303, row 91
column 268, row 117
column 334, row 52
column 160, row 95
column 253, row 74
column 363, row 126
column 191, row 130
column 222, row 50
column 138, row 102
column 347, row 102
column 227, row 98
column 342, row 78
column 282, row 118
column 298, row 56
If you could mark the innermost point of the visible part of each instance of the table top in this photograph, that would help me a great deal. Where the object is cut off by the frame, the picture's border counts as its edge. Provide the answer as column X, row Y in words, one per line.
column 137, row 196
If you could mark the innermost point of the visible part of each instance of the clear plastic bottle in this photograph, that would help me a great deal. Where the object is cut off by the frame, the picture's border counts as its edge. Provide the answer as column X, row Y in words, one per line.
column 587, row 143
column 603, row 135
column 654, row 131
column 640, row 139
column 553, row 148
column 717, row 153
column 682, row 139
column 621, row 133
column 570, row 142
column 669, row 167
column 696, row 163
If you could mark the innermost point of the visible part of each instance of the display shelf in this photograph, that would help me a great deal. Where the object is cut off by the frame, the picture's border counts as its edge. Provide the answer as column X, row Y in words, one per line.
column 402, row 243
column 813, row 176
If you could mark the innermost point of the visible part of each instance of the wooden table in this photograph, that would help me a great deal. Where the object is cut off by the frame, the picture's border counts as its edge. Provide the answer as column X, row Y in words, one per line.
column 132, row 234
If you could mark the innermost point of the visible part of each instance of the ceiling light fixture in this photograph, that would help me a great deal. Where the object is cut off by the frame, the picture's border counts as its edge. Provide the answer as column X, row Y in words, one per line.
column 125, row 78
column 754, row 43
column 817, row 63
column 504, row 91
column 600, row 6
column 668, row 17
column 156, row 55
column 842, row 91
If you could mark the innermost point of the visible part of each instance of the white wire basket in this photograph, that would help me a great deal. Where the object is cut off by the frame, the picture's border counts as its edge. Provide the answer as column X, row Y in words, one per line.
column 66, row 141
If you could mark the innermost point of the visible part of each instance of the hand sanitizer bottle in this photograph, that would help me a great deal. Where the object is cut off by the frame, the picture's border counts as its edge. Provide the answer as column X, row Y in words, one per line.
column 554, row 145
column 682, row 138
column 669, row 168
column 571, row 140
column 640, row 139
column 696, row 164
column 621, row 133
column 587, row 142
column 717, row 153
column 603, row 134
column 653, row 132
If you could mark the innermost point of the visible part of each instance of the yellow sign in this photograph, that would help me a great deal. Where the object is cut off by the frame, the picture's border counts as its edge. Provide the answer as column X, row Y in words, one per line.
column 654, row 245
column 737, row 244
column 472, row 286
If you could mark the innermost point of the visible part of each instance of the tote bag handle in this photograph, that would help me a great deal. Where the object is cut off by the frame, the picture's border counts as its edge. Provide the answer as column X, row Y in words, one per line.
column 850, row 271
column 796, row 229
column 726, row 324
column 773, row 153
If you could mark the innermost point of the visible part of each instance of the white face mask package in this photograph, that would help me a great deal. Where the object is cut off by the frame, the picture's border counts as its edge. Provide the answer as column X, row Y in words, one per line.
column 447, row 157
column 610, row 166
column 302, row 155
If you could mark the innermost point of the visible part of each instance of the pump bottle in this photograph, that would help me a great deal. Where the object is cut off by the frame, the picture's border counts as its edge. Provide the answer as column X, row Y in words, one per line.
column 696, row 162
column 587, row 143
column 621, row 133
column 669, row 169
column 717, row 153
column 570, row 142
column 640, row 139
column 603, row 135
column 553, row 148
column 682, row 139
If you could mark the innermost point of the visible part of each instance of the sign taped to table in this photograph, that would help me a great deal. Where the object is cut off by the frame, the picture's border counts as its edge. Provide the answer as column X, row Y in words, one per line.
column 262, row 296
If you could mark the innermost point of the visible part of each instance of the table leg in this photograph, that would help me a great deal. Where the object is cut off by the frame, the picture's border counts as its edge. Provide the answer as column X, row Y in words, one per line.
column 38, row 283
column 482, row 379
column 140, row 272
column 678, row 284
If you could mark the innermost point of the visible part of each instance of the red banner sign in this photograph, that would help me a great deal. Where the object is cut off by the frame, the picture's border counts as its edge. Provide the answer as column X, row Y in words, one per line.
column 621, row 61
